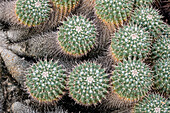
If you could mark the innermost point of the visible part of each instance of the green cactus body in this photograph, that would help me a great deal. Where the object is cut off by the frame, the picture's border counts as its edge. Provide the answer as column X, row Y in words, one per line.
column 88, row 83
column 65, row 6
column 140, row 3
column 32, row 12
column 149, row 19
column 162, row 80
column 77, row 36
column 131, row 80
column 161, row 48
column 153, row 103
column 46, row 81
column 114, row 12
column 130, row 41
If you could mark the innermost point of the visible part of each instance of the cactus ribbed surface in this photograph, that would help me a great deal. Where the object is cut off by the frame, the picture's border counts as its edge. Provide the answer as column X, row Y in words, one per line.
column 32, row 12
column 131, row 79
column 153, row 103
column 88, row 83
column 46, row 81
column 114, row 12
column 131, row 41
column 77, row 36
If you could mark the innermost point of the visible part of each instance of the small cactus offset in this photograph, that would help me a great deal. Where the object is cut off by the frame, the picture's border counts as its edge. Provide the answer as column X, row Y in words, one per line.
column 161, row 48
column 131, row 80
column 130, row 41
column 88, row 83
column 77, row 36
column 152, row 103
column 149, row 19
column 32, row 12
column 162, row 80
column 114, row 13
column 46, row 81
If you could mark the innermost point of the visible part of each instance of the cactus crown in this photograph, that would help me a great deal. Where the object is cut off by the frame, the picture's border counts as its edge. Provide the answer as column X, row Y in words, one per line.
column 46, row 81
column 77, row 36
column 111, row 10
column 32, row 12
column 153, row 103
column 149, row 19
column 132, row 79
column 161, row 48
column 162, row 74
column 88, row 83
column 131, row 40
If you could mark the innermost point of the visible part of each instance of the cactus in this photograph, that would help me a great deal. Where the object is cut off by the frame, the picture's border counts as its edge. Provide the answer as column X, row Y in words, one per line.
column 161, row 48
column 129, row 41
column 114, row 12
column 140, row 3
column 46, row 81
column 161, row 69
column 149, row 19
column 88, row 83
column 77, row 36
column 131, row 79
column 153, row 103
column 32, row 12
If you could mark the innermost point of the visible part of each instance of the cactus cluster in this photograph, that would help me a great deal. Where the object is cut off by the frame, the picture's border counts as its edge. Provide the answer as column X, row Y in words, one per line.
column 131, row 79
column 77, row 36
column 88, row 83
column 46, row 81
column 153, row 103
column 114, row 12
column 131, row 40
column 32, row 12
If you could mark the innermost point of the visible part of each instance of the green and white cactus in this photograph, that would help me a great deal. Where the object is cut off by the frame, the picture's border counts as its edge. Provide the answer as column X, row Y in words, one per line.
column 153, row 103
column 149, row 19
column 161, row 48
column 88, row 83
column 77, row 36
column 32, row 12
column 130, row 41
column 140, row 3
column 162, row 80
column 114, row 13
column 131, row 80
column 46, row 81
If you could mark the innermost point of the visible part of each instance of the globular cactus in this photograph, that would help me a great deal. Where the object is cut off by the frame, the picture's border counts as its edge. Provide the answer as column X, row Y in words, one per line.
column 139, row 3
column 149, row 19
column 77, row 36
column 46, row 81
column 88, row 83
column 131, row 80
column 162, row 80
column 32, row 12
column 161, row 48
column 114, row 13
column 153, row 103
column 130, row 41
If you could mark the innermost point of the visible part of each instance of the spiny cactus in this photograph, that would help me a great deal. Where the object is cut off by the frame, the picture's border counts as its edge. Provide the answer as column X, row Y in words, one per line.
column 153, row 103
column 161, row 48
column 46, row 81
column 149, row 19
column 131, row 79
column 140, row 3
column 77, row 36
column 114, row 12
column 162, row 80
column 32, row 12
column 88, row 83
column 129, row 41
